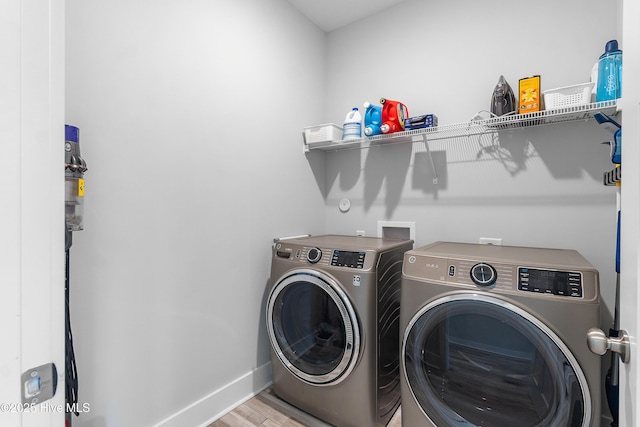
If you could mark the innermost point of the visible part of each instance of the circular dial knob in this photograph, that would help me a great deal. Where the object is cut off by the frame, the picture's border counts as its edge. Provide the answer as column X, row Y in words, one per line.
column 314, row 255
column 483, row 274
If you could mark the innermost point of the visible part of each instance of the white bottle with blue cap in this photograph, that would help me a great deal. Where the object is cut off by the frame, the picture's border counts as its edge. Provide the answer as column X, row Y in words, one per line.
column 352, row 128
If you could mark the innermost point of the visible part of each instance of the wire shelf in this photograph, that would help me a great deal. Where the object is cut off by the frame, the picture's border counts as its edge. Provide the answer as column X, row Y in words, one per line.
column 476, row 126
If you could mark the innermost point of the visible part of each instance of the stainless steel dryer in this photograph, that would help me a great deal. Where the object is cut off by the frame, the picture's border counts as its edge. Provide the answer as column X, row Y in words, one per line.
column 496, row 336
column 333, row 322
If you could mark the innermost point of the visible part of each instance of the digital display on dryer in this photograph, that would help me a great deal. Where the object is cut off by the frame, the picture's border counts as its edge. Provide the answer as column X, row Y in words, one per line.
column 555, row 282
column 348, row 259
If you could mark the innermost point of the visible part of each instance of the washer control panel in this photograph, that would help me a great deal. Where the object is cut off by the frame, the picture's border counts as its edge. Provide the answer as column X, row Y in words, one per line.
column 556, row 282
column 348, row 259
column 325, row 256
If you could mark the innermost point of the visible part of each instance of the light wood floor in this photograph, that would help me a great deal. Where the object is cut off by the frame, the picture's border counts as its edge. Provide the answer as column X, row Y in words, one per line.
column 267, row 410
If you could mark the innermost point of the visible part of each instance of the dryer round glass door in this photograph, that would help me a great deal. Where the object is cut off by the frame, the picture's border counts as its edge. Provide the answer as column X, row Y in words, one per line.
column 312, row 327
column 475, row 360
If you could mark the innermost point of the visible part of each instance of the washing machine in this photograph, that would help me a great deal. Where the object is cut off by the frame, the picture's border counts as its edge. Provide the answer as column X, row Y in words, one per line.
column 496, row 336
column 333, row 312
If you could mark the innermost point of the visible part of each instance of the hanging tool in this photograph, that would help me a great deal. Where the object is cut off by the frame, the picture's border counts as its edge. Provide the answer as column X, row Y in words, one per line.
column 615, row 128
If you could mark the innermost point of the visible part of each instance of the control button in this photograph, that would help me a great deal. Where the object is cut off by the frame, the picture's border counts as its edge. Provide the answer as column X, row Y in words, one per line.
column 452, row 271
column 314, row 255
column 33, row 386
column 576, row 291
column 483, row 274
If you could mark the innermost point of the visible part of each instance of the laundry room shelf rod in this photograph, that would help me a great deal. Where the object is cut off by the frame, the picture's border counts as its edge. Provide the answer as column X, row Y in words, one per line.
column 476, row 126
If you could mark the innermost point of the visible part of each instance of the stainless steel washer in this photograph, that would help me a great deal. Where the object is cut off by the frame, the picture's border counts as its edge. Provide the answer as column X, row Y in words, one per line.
column 333, row 322
column 496, row 336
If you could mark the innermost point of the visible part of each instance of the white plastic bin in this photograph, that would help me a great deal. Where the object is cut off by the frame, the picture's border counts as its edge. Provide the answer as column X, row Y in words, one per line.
column 568, row 96
column 322, row 133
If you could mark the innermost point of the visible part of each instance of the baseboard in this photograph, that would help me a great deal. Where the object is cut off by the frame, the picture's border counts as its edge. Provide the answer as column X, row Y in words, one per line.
column 211, row 407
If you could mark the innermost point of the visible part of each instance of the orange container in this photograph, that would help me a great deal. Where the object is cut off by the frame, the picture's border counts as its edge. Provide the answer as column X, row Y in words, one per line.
column 529, row 99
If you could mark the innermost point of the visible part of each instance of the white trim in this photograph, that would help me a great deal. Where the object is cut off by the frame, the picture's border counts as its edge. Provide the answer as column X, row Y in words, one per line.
column 222, row 400
column 32, row 200
column 629, row 386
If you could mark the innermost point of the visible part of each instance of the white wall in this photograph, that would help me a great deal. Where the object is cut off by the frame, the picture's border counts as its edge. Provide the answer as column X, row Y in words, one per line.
column 531, row 187
column 538, row 186
column 190, row 117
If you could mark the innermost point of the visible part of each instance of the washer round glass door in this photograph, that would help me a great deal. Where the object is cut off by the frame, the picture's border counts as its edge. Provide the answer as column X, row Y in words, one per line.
column 312, row 327
column 475, row 360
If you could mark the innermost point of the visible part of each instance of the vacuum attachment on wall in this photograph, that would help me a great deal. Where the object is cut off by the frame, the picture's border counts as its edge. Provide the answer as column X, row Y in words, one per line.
column 74, row 170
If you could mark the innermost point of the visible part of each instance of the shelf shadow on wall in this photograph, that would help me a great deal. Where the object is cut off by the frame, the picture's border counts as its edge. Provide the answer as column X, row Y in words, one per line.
column 512, row 152
column 386, row 164
column 317, row 162
column 568, row 150
column 342, row 166
column 349, row 176
column 424, row 174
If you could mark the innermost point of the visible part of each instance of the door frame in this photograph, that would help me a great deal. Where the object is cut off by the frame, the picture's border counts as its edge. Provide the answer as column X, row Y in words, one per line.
column 630, row 212
column 32, row 204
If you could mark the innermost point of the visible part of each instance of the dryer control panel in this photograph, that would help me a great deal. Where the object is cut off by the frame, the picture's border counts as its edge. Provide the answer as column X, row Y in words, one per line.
column 531, row 272
column 556, row 282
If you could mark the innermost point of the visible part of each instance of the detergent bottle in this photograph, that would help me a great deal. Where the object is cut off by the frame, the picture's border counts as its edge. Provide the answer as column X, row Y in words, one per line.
column 372, row 119
column 609, row 85
column 393, row 115
column 352, row 128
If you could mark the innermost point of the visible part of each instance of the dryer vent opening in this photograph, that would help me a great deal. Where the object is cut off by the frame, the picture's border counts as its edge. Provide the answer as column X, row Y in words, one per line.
column 397, row 230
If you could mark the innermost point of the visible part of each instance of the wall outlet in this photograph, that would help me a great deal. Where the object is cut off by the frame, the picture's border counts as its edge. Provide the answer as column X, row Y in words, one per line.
column 360, row 233
column 491, row 241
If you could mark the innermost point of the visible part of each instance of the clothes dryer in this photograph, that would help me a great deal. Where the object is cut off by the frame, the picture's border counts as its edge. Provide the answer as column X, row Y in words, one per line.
column 333, row 322
column 496, row 336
